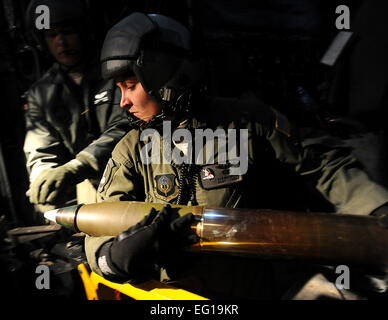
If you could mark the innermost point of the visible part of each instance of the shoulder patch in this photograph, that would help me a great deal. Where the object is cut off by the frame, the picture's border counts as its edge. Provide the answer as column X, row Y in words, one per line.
column 217, row 176
column 106, row 175
column 165, row 187
column 102, row 97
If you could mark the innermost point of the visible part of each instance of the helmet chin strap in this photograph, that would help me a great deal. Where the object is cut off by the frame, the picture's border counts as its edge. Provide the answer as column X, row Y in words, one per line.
column 141, row 124
column 181, row 106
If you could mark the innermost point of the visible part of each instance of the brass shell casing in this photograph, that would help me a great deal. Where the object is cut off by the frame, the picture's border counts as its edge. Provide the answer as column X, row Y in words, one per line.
column 321, row 237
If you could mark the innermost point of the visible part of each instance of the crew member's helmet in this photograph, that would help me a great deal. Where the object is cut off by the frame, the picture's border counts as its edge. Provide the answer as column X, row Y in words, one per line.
column 157, row 50
column 60, row 12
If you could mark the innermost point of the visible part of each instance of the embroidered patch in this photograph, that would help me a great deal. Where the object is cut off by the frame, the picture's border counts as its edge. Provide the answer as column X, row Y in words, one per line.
column 217, row 175
column 106, row 175
column 165, row 187
column 102, row 97
column 208, row 174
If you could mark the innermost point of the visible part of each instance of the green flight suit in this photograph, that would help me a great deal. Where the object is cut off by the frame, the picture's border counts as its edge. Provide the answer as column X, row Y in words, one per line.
column 276, row 151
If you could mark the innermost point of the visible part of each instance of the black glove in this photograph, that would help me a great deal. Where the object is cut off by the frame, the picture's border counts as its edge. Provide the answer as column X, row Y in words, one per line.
column 140, row 252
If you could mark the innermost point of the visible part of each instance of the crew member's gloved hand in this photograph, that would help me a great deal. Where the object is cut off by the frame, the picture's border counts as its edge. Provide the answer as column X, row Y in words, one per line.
column 53, row 185
column 141, row 251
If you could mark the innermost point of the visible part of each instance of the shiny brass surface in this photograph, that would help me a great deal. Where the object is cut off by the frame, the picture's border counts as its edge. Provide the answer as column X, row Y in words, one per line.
column 67, row 217
column 280, row 234
column 322, row 237
column 111, row 218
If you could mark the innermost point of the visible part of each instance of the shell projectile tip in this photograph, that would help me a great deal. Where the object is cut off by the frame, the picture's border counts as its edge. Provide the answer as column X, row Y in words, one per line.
column 51, row 215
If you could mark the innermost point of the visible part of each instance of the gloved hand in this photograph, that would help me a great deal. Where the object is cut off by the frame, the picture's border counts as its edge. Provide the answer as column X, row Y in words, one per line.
column 143, row 249
column 53, row 185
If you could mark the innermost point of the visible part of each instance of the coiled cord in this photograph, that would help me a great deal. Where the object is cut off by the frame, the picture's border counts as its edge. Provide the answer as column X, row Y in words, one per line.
column 187, row 186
